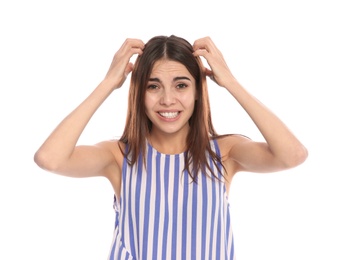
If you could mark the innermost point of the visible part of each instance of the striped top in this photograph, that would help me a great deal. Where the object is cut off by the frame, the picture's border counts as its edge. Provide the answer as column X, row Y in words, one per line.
column 162, row 214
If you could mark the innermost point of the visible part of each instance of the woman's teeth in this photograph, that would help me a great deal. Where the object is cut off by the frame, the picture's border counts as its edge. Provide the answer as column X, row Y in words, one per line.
column 169, row 114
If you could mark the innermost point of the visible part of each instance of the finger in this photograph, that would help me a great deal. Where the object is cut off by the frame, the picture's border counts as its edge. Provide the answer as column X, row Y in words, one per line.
column 138, row 51
column 137, row 46
column 134, row 43
column 203, row 43
column 208, row 72
column 128, row 69
column 131, row 47
column 201, row 52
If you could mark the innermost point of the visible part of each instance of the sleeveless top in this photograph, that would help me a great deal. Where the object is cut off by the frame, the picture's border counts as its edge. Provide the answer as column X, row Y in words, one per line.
column 162, row 214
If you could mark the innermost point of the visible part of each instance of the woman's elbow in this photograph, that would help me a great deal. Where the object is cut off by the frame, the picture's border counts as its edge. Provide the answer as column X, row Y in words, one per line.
column 297, row 157
column 44, row 161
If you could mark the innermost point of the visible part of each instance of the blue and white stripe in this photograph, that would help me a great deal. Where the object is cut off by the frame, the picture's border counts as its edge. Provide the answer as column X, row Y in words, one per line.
column 162, row 214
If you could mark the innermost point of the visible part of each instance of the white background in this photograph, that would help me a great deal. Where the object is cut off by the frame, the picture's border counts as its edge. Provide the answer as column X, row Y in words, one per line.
column 53, row 54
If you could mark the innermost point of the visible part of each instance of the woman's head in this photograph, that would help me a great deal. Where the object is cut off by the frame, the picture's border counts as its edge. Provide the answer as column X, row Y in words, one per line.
column 138, row 125
column 162, row 47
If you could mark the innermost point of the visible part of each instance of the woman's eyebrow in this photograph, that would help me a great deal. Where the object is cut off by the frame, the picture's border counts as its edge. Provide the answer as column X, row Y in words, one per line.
column 155, row 79
column 174, row 79
column 181, row 78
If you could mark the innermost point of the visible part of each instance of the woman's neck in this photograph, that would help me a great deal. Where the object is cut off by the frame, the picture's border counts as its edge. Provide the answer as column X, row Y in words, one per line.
column 168, row 143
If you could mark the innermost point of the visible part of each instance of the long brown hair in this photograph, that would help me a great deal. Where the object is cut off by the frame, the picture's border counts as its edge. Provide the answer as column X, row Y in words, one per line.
column 138, row 124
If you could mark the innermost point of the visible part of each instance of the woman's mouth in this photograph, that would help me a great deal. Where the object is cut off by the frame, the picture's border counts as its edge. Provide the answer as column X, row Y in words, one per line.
column 169, row 115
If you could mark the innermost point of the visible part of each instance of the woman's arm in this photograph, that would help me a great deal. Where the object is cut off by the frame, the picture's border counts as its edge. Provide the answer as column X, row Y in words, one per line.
column 282, row 150
column 60, row 153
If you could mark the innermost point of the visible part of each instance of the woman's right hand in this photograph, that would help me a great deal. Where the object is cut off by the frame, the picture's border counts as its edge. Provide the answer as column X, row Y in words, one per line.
column 121, row 66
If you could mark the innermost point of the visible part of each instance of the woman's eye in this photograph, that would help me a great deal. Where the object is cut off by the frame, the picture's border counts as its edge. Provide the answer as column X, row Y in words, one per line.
column 152, row 87
column 181, row 85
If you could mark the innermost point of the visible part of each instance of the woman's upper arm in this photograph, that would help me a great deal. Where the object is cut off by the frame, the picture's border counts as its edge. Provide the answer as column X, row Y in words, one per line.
column 248, row 155
column 90, row 160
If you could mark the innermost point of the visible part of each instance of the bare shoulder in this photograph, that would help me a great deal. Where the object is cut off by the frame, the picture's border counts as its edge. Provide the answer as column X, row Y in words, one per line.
column 226, row 142
column 115, row 147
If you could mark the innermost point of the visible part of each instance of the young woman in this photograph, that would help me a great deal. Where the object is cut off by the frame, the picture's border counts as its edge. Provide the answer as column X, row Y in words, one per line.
column 170, row 171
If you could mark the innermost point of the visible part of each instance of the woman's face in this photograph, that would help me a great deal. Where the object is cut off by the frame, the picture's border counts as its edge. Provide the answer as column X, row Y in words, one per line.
column 170, row 97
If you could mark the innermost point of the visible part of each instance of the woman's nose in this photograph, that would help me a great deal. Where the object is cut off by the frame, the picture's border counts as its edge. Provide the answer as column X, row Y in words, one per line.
column 168, row 97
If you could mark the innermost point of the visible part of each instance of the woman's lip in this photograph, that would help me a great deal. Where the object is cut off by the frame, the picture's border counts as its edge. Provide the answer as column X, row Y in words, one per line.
column 169, row 115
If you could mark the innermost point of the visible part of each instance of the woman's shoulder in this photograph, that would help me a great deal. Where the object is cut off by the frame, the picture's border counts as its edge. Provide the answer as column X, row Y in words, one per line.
column 227, row 141
column 230, row 138
column 115, row 146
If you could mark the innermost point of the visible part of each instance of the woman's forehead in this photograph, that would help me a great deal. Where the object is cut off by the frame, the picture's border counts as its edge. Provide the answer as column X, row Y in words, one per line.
column 168, row 66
